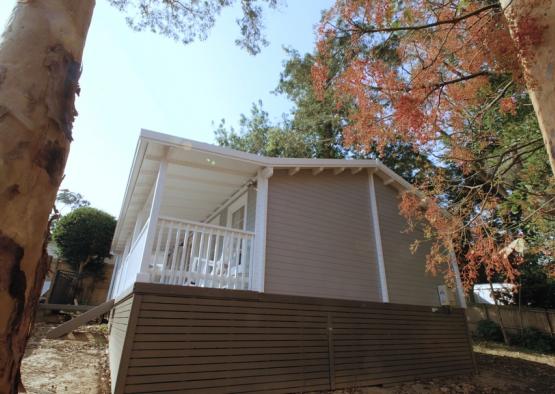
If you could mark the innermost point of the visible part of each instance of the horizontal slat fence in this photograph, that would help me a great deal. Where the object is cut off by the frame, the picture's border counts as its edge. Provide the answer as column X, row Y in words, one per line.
column 229, row 341
column 514, row 319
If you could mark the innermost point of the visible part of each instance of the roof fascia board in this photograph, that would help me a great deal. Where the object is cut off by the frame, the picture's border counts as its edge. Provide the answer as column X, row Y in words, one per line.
column 187, row 144
column 138, row 157
column 276, row 162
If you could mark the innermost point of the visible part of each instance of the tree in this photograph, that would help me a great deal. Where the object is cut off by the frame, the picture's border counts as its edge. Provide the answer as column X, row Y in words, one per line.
column 83, row 238
column 314, row 128
column 537, row 62
column 258, row 135
column 40, row 65
column 446, row 78
column 71, row 199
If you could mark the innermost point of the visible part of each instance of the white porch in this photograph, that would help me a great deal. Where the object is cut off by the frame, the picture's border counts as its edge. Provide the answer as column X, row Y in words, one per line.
column 191, row 217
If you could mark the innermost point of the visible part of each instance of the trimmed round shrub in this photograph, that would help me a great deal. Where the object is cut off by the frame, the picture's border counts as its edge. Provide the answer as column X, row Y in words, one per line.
column 84, row 236
column 488, row 330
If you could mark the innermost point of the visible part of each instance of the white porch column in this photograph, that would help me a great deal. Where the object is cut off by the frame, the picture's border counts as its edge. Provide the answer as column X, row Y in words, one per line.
column 458, row 282
column 258, row 269
column 143, row 275
column 377, row 236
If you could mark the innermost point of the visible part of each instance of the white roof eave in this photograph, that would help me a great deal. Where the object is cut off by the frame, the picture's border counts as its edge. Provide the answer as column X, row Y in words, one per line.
column 274, row 162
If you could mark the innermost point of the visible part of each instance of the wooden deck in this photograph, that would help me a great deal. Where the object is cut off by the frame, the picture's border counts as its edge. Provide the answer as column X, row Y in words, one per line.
column 174, row 339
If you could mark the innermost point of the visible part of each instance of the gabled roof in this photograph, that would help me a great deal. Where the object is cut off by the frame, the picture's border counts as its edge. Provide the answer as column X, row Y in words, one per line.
column 203, row 161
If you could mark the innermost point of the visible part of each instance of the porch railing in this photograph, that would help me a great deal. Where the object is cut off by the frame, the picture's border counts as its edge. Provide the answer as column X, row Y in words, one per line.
column 131, row 262
column 196, row 254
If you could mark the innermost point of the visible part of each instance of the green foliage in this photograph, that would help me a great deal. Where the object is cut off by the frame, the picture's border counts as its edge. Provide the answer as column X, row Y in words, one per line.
column 258, row 135
column 188, row 20
column 488, row 330
column 313, row 129
column 83, row 237
column 534, row 339
column 71, row 199
column 537, row 287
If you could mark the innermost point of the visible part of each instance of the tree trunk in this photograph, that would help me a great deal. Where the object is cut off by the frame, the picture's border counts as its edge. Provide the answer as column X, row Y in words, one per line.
column 78, row 291
column 40, row 64
column 541, row 66
column 498, row 310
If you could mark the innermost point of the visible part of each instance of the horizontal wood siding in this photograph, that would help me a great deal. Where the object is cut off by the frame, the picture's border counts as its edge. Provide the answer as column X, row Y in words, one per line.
column 198, row 340
column 319, row 236
column 407, row 279
column 118, row 330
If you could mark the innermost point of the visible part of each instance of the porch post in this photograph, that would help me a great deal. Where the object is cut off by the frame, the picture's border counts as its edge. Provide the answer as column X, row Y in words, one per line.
column 258, row 269
column 143, row 275
column 458, row 282
column 377, row 236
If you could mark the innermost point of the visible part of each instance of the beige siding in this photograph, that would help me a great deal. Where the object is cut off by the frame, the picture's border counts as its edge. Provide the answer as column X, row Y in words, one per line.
column 407, row 281
column 319, row 238
column 118, row 329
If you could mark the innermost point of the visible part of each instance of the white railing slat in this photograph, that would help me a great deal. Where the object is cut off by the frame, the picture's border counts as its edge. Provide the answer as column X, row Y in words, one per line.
column 197, row 254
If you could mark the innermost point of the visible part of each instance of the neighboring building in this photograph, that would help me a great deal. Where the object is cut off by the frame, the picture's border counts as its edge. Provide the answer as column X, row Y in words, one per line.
column 197, row 215
column 61, row 278
column 483, row 295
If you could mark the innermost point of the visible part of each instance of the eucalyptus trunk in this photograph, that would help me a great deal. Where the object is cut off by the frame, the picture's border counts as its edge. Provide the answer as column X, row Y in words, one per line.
column 540, row 65
column 40, row 64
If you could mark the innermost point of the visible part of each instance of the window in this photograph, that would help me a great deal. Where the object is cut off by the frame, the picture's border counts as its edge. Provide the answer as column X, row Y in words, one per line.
column 238, row 218
column 237, row 213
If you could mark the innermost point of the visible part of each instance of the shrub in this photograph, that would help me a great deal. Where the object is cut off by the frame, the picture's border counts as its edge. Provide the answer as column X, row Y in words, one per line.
column 534, row 339
column 83, row 236
column 488, row 330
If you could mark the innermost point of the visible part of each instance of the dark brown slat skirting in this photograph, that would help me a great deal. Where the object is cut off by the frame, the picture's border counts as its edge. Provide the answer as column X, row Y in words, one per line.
column 175, row 339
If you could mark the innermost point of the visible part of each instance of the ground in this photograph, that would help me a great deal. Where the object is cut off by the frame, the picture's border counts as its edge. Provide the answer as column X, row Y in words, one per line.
column 501, row 371
column 78, row 364
column 74, row 364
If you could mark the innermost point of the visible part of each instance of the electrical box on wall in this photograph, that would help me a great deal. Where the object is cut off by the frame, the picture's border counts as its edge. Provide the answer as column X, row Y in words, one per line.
column 443, row 295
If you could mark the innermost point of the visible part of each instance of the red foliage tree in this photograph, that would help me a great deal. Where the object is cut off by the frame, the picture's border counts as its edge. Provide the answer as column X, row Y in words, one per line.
column 431, row 73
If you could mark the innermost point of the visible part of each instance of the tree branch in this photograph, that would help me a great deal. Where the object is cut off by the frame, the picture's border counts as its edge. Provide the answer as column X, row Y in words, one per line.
column 368, row 30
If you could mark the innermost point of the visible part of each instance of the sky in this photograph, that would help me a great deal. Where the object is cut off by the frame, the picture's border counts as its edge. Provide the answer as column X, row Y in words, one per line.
column 134, row 80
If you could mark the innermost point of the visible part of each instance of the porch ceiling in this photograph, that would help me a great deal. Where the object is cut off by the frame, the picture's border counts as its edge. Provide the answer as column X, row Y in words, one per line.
column 197, row 183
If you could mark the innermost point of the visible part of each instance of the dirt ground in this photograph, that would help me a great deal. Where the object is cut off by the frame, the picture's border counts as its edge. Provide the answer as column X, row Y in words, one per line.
column 501, row 370
column 78, row 364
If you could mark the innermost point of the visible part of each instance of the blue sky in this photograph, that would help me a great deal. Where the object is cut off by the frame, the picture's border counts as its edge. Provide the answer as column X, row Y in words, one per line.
column 136, row 80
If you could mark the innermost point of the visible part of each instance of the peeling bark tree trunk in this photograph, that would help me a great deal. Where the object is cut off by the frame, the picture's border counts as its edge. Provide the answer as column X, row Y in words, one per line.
column 541, row 67
column 40, row 64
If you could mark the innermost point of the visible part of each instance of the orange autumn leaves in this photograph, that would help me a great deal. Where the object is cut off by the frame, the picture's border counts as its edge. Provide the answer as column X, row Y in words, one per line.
column 424, row 73
column 422, row 94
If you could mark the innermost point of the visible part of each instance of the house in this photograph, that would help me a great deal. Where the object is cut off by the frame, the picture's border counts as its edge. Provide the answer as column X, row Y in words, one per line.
column 482, row 293
column 60, row 283
column 241, row 273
